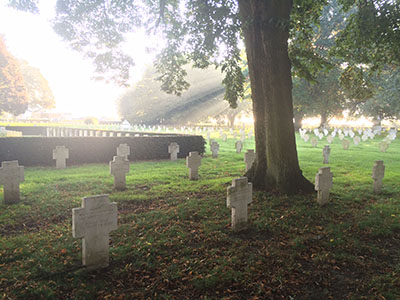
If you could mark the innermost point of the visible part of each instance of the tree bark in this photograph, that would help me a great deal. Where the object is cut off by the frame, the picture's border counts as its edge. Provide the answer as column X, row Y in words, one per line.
column 324, row 120
column 266, row 32
column 298, row 118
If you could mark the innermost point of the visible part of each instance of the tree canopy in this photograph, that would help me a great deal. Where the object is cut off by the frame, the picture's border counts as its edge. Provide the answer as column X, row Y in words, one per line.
column 13, row 95
column 40, row 95
column 146, row 103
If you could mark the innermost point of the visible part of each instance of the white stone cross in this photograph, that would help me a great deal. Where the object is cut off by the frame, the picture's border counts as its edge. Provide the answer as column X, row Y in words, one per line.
column 93, row 223
column 249, row 158
column 329, row 139
column 173, row 150
column 214, row 149
column 341, row 136
column 346, row 144
column 356, row 140
column 119, row 167
column 238, row 146
column 323, row 183
column 306, row 137
column 10, row 177
column 60, row 154
column 123, row 150
column 239, row 195
column 378, row 172
column 383, row 146
column 193, row 162
column 326, row 153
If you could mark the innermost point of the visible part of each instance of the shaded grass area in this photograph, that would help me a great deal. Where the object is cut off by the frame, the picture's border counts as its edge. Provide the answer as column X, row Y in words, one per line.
column 174, row 239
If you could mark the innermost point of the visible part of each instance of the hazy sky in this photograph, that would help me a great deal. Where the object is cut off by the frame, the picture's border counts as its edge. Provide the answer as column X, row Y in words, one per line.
column 30, row 37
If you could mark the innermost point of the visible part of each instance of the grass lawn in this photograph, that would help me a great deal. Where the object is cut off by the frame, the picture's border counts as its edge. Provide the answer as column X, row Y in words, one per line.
column 174, row 239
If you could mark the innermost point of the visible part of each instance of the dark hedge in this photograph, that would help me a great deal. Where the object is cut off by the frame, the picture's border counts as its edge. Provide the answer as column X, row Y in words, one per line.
column 37, row 151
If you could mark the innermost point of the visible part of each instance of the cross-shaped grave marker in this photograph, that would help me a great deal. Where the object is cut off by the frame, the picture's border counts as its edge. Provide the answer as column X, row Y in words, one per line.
column 60, row 154
column 123, row 150
column 329, row 139
column 238, row 146
column 323, row 183
column 383, row 146
column 119, row 167
column 378, row 172
column 173, row 150
column 193, row 162
column 314, row 142
column 239, row 195
column 356, row 140
column 346, row 144
column 326, row 152
column 214, row 147
column 93, row 222
column 249, row 158
column 11, row 175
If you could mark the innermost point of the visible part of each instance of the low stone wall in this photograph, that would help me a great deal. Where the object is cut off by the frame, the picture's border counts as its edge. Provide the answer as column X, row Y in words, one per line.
column 37, row 151
column 76, row 132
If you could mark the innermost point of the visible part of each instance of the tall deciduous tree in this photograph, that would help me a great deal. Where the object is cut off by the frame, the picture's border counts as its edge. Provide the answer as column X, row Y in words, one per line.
column 40, row 95
column 208, row 32
column 323, row 96
column 385, row 103
column 13, row 96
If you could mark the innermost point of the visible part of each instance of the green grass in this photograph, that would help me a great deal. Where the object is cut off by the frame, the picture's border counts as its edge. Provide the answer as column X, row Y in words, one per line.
column 174, row 238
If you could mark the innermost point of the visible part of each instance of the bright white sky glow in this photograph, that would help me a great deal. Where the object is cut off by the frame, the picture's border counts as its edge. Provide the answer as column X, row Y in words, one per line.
column 30, row 37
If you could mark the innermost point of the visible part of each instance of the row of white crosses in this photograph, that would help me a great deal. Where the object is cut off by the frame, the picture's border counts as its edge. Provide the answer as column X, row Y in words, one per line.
column 363, row 135
column 324, row 177
column 97, row 217
column 324, row 181
column 11, row 174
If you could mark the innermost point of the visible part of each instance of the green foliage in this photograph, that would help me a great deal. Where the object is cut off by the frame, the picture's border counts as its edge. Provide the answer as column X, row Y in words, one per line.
column 147, row 103
column 372, row 35
column 40, row 95
column 385, row 102
column 323, row 98
column 91, row 121
column 25, row 5
column 207, row 32
column 174, row 236
column 13, row 96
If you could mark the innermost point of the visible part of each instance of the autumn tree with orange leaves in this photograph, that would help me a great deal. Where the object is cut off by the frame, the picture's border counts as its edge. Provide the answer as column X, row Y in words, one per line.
column 13, row 95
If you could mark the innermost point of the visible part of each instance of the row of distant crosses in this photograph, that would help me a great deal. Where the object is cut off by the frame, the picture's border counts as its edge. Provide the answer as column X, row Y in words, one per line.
column 97, row 217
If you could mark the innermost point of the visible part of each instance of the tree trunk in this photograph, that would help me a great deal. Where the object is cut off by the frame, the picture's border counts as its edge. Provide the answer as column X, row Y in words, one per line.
column 324, row 120
column 266, row 33
column 231, row 115
column 377, row 121
column 298, row 118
